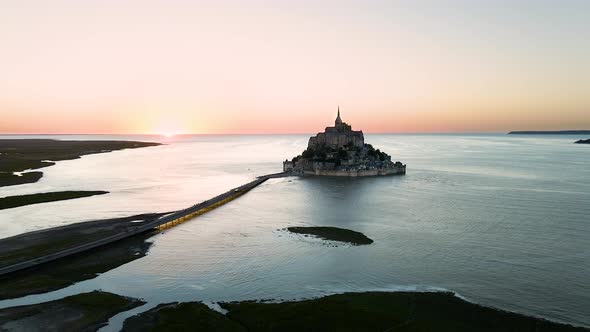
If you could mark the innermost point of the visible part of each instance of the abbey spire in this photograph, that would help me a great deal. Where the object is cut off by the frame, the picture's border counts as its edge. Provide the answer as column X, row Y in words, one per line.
column 338, row 119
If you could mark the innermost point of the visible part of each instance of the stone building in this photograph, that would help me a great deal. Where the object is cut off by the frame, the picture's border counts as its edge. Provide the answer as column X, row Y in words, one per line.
column 338, row 136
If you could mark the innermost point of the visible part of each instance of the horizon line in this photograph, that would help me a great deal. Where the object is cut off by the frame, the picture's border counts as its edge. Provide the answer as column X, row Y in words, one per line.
column 291, row 133
column 255, row 134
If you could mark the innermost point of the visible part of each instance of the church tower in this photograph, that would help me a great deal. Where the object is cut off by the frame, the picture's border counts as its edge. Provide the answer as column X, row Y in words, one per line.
column 338, row 120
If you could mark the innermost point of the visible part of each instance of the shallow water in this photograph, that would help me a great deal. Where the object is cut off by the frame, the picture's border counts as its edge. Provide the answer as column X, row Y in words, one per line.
column 502, row 220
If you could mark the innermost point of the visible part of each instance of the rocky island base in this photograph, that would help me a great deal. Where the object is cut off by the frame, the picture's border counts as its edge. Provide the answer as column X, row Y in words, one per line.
column 333, row 234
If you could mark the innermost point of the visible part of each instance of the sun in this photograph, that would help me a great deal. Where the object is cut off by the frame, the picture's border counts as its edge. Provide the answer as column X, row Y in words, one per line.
column 169, row 127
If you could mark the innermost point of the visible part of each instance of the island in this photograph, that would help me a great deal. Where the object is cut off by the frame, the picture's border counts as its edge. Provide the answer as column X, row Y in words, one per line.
column 333, row 234
column 583, row 141
column 550, row 132
column 341, row 151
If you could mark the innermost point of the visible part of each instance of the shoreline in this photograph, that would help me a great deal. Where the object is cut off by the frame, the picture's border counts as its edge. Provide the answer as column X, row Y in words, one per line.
column 549, row 132
column 349, row 311
column 429, row 310
column 463, row 307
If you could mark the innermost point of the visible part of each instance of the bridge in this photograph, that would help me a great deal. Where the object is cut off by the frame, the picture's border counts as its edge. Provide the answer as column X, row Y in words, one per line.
column 163, row 222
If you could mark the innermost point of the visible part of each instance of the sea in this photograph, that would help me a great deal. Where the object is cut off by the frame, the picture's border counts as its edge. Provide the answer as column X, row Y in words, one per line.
column 501, row 220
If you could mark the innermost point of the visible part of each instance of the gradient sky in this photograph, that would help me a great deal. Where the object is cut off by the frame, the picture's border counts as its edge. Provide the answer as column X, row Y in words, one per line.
column 179, row 66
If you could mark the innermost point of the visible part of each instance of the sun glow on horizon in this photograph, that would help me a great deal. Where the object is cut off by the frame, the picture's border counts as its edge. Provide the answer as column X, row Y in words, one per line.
column 250, row 67
column 169, row 125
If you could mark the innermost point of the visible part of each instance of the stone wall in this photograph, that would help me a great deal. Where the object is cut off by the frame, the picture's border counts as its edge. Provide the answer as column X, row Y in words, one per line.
column 336, row 138
column 288, row 166
column 355, row 173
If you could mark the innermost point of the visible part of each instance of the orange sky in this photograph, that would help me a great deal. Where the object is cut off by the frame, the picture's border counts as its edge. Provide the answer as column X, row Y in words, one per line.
column 227, row 66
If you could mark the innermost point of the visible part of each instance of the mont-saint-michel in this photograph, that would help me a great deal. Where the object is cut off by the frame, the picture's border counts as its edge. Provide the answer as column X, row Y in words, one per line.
column 341, row 151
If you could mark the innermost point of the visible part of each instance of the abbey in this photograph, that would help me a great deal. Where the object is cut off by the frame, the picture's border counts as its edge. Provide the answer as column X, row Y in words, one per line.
column 338, row 136
column 341, row 151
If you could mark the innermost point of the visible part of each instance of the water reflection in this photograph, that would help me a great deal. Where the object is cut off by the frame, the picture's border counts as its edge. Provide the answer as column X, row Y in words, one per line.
column 486, row 216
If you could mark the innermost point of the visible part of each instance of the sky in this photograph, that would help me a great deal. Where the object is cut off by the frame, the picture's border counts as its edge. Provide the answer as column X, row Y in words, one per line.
column 252, row 66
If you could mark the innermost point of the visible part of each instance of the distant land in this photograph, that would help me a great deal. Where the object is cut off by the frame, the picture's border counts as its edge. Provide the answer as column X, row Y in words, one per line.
column 19, row 156
column 551, row 132
column 22, row 200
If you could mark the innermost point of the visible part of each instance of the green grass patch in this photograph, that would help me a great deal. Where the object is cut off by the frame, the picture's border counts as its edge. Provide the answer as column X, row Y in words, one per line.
column 9, row 179
column 372, row 311
column 81, row 312
column 333, row 234
column 22, row 200
column 380, row 311
column 191, row 316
